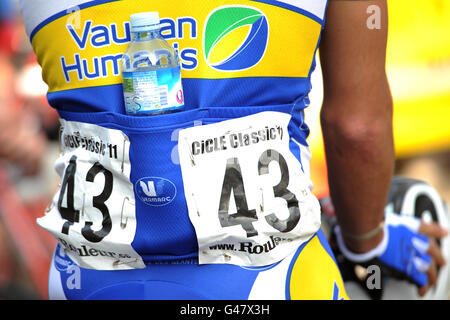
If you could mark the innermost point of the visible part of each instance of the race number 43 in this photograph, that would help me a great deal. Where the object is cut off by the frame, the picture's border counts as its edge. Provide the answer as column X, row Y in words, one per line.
column 93, row 214
column 72, row 215
column 245, row 188
column 233, row 182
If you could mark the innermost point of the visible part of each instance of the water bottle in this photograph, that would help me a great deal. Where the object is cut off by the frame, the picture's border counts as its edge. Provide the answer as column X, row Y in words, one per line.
column 150, row 70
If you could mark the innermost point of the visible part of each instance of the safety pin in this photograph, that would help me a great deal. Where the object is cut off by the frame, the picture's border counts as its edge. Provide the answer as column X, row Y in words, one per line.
column 49, row 207
column 195, row 203
column 82, row 208
column 122, row 223
column 119, row 262
column 190, row 153
column 239, row 130
column 123, row 155
column 261, row 206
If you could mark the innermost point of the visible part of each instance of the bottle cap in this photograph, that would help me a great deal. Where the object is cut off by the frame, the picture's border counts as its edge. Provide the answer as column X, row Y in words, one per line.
column 144, row 21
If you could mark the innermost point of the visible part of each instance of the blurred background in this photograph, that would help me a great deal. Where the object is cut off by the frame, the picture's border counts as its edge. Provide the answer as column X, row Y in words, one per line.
column 418, row 67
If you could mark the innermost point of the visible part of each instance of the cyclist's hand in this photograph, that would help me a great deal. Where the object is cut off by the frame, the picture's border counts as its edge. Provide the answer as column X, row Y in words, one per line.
column 408, row 246
column 433, row 231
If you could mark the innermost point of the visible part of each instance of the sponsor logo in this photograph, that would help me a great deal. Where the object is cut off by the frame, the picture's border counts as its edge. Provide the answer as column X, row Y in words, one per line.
column 232, row 22
column 155, row 191
column 60, row 260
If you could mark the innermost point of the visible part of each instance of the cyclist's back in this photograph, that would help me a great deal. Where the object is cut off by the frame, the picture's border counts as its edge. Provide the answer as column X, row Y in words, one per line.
column 183, row 201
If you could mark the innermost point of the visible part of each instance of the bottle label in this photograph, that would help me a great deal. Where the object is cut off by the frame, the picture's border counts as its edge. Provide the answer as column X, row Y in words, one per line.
column 152, row 91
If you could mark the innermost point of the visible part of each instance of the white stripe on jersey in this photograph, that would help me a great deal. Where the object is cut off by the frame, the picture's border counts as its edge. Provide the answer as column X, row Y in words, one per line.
column 316, row 7
column 36, row 11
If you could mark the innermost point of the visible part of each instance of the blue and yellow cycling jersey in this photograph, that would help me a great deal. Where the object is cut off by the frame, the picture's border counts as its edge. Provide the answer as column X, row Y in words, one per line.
column 210, row 203
column 227, row 179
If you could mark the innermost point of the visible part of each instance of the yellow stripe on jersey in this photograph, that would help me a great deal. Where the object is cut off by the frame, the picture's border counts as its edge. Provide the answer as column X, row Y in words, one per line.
column 84, row 48
column 315, row 275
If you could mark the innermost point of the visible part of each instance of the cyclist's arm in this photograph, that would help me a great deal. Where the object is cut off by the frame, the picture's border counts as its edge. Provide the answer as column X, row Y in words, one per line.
column 356, row 118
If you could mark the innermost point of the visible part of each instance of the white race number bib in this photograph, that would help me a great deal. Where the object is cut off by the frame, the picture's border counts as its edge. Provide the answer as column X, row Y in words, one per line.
column 247, row 195
column 93, row 214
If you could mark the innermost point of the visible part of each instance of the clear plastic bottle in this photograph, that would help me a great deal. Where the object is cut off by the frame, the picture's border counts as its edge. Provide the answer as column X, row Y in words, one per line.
column 150, row 70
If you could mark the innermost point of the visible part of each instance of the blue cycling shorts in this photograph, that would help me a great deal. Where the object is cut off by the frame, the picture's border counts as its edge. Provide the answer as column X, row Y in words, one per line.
column 309, row 273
